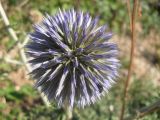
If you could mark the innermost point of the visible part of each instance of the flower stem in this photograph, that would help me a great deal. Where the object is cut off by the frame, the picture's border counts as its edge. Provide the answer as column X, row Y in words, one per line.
column 133, row 19
column 77, row 4
column 68, row 113
column 129, row 13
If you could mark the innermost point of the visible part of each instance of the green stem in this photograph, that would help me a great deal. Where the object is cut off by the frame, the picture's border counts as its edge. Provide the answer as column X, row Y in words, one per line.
column 68, row 113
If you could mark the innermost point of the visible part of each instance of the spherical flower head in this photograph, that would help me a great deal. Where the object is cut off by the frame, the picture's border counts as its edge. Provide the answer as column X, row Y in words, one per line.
column 73, row 61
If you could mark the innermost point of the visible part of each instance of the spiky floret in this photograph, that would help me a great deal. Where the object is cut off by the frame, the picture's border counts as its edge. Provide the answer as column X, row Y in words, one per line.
column 73, row 61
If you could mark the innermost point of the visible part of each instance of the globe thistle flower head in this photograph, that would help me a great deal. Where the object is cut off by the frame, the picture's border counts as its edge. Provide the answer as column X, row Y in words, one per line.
column 72, row 58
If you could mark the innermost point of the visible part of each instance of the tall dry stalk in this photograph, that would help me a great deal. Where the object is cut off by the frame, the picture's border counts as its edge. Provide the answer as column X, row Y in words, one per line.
column 132, row 17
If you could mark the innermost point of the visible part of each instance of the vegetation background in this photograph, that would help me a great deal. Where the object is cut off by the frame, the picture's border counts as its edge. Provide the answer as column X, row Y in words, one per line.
column 20, row 101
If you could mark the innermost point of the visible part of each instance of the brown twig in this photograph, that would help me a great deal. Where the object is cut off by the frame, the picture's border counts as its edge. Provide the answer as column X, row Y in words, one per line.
column 133, row 19
column 129, row 13
column 149, row 109
column 146, row 110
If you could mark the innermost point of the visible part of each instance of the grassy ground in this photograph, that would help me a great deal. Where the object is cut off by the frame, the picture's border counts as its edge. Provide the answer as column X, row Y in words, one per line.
column 20, row 101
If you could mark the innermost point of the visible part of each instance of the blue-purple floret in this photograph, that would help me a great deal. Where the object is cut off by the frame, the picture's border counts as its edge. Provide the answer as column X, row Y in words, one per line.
column 73, row 61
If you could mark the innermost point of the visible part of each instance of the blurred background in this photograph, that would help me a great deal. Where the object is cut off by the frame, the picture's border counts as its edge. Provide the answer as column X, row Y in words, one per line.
column 20, row 101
